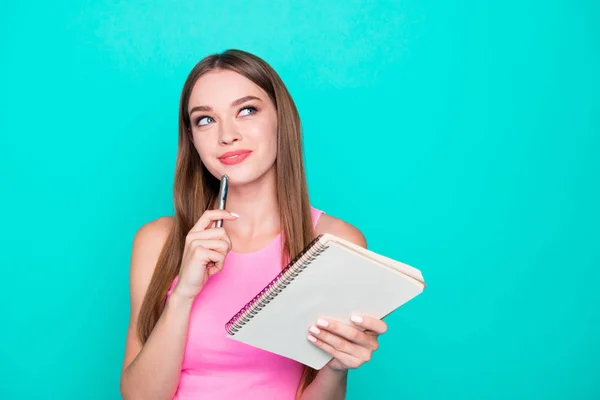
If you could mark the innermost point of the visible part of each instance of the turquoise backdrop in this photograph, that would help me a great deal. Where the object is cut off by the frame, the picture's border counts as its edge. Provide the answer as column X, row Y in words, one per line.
column 481, row 119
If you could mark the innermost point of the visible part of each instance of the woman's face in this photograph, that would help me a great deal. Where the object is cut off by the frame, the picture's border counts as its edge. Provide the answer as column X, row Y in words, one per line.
column 234, row 126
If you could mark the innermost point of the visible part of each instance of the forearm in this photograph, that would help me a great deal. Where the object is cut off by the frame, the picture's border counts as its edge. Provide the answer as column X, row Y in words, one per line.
column 154, row 373
column 328, row 384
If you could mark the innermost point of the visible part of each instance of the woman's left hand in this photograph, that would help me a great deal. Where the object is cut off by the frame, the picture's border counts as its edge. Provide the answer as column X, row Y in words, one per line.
column 350, row 346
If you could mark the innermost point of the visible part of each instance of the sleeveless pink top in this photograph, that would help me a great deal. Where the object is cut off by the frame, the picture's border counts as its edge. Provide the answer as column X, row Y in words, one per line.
column 217, row 367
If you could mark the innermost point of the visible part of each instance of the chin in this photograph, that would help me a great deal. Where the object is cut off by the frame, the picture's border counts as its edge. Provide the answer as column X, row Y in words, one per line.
column 243, row 175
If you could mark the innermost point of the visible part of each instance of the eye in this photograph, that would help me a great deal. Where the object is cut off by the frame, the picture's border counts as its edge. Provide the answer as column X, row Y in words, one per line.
column 248, row 110
column 201, row 121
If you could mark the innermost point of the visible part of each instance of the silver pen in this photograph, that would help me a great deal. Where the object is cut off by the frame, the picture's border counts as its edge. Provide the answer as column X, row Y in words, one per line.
column 222, row 197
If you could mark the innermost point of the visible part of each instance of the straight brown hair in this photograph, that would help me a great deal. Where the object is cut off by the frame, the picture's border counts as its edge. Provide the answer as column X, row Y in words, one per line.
column 195, row 189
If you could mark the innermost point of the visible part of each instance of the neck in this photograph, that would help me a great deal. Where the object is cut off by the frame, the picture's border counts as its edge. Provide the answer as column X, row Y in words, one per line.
column 256, row 203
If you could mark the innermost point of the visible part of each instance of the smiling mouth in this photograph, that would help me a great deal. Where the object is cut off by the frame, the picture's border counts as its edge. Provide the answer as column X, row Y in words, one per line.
column 235, row 158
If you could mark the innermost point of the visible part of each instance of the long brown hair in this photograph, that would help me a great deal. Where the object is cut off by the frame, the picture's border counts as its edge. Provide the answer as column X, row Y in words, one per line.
column 195, row 189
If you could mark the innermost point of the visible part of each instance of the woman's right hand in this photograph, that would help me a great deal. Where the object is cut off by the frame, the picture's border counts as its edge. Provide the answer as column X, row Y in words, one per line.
column 204, row 253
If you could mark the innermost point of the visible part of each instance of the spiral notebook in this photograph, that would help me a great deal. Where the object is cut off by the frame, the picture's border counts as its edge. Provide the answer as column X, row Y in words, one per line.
column 330, row 278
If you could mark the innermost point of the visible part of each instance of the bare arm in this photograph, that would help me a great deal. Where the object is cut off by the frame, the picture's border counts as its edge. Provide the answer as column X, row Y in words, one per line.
column 331, row 381
column 328, row 385
column 152, row 371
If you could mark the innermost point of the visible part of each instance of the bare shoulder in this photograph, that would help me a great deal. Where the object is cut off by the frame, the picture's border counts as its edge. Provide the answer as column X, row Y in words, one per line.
column 154, row 231
column 148, row 242
column 147, row 245
column 340, row 228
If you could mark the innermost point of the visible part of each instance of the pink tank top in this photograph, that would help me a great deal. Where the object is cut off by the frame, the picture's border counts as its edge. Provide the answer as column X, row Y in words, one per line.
column 217, row 367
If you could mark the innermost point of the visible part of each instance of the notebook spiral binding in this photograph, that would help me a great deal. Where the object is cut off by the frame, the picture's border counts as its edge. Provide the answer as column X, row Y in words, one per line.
column 287, row 274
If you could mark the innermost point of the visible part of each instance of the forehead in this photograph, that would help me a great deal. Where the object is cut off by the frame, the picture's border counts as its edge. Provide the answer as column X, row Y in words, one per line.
column 220, row 88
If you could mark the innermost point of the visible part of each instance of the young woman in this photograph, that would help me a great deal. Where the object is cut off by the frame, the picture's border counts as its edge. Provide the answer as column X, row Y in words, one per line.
column 187, row 277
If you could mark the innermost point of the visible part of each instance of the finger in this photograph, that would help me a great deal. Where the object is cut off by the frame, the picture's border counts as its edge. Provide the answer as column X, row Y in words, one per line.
column 212, row 215
column 218, row 245
column 348, row 360
column 375, row 325
column 348, row 332
column 339, row 343
column 215, row 260
column 213, row 233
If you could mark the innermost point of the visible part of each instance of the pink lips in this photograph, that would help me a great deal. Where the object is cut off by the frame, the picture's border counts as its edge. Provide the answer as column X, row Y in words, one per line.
column 234, row 157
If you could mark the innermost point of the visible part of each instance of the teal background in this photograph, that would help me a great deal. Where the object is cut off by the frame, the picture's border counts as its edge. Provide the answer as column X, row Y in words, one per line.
column 481, row 120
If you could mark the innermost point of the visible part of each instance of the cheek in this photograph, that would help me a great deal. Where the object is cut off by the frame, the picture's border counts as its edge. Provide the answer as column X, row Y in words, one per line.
column 272, row 138
column 264, row 136
column 275, row 145
column 201, row 148
column 271, row 147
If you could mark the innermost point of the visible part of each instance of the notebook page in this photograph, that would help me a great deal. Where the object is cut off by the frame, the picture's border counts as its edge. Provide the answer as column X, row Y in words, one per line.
column 389, row 262
column 335, row 285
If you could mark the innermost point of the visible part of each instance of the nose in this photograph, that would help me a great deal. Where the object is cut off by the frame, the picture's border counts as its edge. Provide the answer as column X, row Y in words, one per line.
column 228, row 133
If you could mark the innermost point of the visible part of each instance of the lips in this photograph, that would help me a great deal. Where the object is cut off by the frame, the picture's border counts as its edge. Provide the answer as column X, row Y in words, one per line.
column 234, row 157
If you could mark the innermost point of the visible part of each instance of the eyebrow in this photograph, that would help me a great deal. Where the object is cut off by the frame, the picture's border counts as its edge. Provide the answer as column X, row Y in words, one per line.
column 235, row 103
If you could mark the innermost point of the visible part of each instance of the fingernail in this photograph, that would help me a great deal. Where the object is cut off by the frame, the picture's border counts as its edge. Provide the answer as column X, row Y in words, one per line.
column 312, row 339
column 234, row 214
column 315, row 330
column 356, row 319
column 322, row 322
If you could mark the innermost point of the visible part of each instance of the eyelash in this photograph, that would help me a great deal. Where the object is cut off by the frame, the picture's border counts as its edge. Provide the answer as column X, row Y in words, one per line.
column 198, row 119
